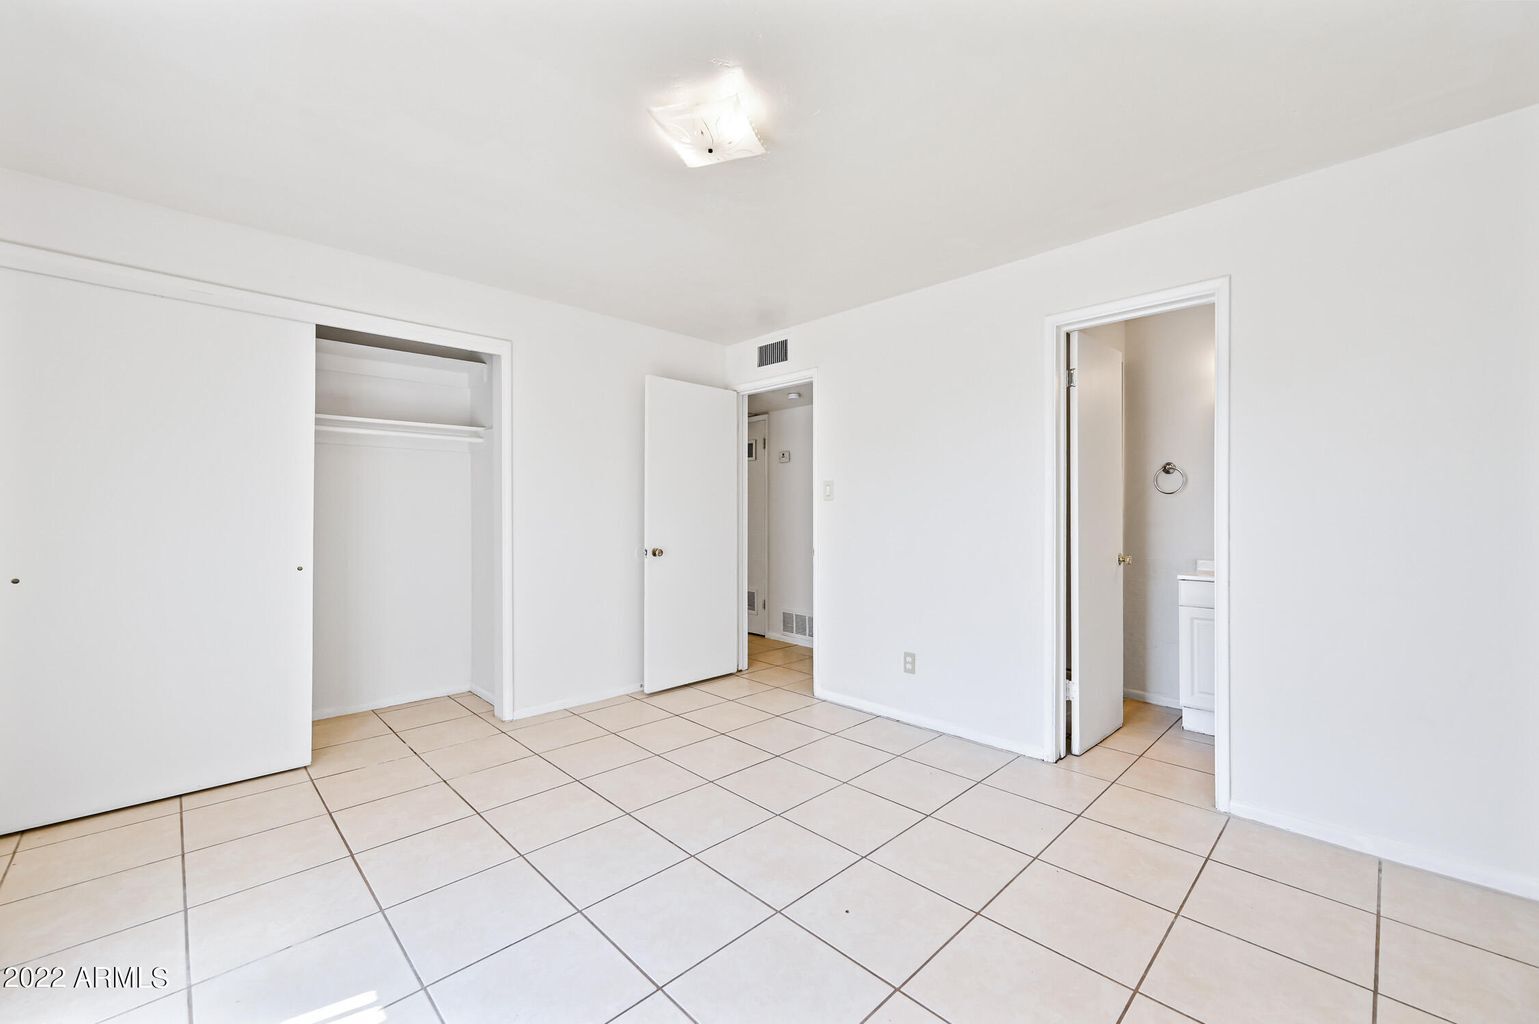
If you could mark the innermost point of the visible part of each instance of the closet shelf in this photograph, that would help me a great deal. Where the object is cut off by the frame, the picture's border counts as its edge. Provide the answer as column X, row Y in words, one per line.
column 333, row 424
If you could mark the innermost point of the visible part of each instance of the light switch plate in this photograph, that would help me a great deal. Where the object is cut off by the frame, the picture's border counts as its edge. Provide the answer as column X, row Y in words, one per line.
column 828, row 490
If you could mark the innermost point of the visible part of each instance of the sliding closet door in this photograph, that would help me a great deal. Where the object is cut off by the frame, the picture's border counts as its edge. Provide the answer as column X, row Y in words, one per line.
column 155, row 532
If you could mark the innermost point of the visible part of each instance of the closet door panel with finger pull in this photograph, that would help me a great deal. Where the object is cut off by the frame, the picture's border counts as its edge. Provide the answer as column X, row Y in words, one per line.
column 156, row 478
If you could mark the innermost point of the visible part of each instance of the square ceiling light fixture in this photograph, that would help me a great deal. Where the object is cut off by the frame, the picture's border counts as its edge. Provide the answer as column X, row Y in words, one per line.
column 711, row 131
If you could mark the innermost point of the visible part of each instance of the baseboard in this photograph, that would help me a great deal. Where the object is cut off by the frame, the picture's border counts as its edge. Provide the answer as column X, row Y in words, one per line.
column 1411, row 855
column 1174, row 703
column 352, row 709
column 924, row 722
column 562, row 705
column 787, row 638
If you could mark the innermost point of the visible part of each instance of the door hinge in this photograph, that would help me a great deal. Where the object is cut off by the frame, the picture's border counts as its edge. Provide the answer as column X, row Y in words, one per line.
column 1068, row 378
column 1071, row 689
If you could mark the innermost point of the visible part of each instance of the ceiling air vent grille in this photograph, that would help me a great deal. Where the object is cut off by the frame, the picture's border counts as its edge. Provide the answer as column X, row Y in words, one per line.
column 774, row 352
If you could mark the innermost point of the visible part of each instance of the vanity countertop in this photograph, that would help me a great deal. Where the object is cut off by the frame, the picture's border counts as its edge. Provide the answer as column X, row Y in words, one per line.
column 1205, row 576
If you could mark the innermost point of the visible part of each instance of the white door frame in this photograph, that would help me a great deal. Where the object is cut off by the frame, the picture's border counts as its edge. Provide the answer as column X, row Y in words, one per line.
column 1213, row 292
column 748, row 472
column 809, row 377
column 500, row 350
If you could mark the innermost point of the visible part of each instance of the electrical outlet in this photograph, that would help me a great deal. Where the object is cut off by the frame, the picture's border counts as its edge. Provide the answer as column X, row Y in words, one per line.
column 908, row 662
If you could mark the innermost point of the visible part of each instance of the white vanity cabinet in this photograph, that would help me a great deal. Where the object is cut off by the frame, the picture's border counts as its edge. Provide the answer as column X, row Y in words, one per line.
column 1194, row 616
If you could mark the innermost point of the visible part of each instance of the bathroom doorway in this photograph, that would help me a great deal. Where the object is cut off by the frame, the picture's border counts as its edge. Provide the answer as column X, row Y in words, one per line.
column 778, row 515
column 1139, row 603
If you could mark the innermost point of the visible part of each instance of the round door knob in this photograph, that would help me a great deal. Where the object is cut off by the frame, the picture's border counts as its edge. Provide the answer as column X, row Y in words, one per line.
column 657, row 552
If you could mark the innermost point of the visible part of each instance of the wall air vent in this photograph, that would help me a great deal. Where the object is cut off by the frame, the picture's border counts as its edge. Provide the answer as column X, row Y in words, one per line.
column 793, row 624
column 753, row 601
column 772, row 353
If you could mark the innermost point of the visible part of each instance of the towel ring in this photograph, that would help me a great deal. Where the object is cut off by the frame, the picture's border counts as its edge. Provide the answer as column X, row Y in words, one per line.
column 1169, row 469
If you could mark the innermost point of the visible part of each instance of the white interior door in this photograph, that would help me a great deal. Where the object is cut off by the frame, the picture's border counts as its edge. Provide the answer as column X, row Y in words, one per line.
column 155, row 513
column 758, row 523
column 690, row 525
column 1095, row 533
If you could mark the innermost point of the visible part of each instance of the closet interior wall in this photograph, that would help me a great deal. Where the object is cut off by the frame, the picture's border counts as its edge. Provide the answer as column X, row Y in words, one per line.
column 405, row 565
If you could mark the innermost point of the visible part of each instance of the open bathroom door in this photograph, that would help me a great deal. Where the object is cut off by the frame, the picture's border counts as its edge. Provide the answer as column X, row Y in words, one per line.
column 1095, row 531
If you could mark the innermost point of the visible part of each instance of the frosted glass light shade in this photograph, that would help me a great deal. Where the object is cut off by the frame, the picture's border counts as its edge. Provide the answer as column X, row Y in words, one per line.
column 711, row 132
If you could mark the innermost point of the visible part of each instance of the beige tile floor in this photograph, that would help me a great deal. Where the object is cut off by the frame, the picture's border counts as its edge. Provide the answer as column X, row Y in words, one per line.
column 737, row 851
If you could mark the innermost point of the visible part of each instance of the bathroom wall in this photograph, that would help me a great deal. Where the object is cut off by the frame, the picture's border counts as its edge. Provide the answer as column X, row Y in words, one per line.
column 1169, row 418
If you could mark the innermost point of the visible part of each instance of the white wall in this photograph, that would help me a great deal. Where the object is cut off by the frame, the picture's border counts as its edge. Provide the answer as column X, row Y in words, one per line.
column 1168, row 361
column 790, row 514
column 1385, row 453
column 577, row 397
column 392, row 574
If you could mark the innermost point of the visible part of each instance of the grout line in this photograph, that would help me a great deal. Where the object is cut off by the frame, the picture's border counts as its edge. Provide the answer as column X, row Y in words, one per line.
column 1036, row 858
column 533, row 867
column 972, row 784
column 1167, row 729
column 1174, row 918
column 182, row 855
column 1378, row 938
column 83, row 881
column 181, row 823
column 1290, row 885
column 326, row 931
column 1463, row 942
column 687, row 857
column 97, row 938
column 380, row 909
column 365, row 1019
column 88, row 835
column 265, row 881
column 242, row 796
column 6, row 869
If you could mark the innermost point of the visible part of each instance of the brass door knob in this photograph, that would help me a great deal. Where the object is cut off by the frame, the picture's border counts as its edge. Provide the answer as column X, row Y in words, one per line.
column 1124, row 559
column 657, row 552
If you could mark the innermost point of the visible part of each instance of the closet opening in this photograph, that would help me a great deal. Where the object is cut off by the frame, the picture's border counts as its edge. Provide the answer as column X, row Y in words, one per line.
column 779, row 500
column 409, row 565
column 1139, row 691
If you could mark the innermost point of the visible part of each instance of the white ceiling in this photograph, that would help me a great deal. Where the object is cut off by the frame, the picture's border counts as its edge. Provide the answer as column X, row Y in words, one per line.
column 775, row 401
column 909, row 142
